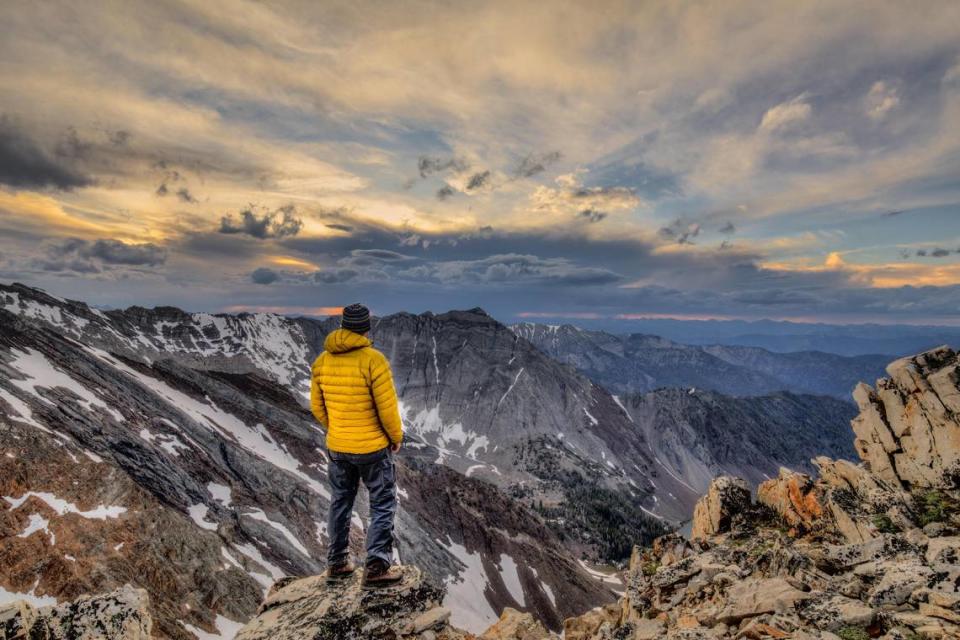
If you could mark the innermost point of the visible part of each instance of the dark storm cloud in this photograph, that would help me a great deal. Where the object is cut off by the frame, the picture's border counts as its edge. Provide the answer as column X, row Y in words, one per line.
column 592, row 215
column 445, row 192
column 280, row 223
column 336, row 276
column 82, row 256
column 71, row 146
column 728, row 228
column 118, row 252
column 23, row 164
column 535, row 163
column 380, row 255
column 511, row 269
column 936, row 252
column 478, row 180
column 681, row 231
column 428, row 166
column 264, row 275
column 185, row 196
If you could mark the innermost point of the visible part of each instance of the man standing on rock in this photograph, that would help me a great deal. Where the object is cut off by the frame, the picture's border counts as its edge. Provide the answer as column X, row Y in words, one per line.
column 352, row 396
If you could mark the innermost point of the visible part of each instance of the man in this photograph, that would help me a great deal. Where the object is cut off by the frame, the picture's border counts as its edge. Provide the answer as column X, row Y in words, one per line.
column 352, row 396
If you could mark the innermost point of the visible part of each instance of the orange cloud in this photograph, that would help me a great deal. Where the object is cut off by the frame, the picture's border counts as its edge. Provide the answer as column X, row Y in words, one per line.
column 285, row 310
column 880, row 276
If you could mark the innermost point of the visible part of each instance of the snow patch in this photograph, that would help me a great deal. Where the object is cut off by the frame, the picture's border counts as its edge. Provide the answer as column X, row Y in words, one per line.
column 511, row 579
column 198, row 513
column 62, row 507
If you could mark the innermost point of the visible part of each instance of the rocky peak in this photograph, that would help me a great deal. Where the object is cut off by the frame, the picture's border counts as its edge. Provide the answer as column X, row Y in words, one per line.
column 908, row 430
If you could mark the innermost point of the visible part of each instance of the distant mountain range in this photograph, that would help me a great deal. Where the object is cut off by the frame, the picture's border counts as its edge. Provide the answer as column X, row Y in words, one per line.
column 638, row 362
column 173, row 450
column 784, row 336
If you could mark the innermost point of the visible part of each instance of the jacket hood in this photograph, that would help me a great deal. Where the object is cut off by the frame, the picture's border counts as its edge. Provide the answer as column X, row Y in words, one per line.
column 343, row 340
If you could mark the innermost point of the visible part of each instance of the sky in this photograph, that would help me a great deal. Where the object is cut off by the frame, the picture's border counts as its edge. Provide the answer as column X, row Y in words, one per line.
column 545, row 161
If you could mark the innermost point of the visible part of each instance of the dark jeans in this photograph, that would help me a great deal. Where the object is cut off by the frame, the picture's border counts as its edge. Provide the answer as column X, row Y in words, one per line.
column 345, row 472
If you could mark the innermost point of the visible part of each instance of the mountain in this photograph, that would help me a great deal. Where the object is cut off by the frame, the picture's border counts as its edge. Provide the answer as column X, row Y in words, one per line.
column 173, row 451
column 697, row 435
column 784, row 336
column 151, row 448
column 863, row 551
column 638, row 362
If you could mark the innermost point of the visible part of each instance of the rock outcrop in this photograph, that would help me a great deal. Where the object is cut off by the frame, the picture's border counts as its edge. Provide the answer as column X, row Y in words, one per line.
column 312, row 608
column 908, row 430
column 120, row 615
column 715, row 511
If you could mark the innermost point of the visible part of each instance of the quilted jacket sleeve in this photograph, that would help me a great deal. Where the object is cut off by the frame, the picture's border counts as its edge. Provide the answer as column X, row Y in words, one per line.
column 385, row 397
column 316, row 393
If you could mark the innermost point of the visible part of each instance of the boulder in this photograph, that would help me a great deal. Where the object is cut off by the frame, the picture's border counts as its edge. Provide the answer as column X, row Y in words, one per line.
column 714, row 512
column 794, row 496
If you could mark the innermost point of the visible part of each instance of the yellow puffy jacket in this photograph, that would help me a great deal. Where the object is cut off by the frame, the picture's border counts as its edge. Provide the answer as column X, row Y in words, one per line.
column 352, row 395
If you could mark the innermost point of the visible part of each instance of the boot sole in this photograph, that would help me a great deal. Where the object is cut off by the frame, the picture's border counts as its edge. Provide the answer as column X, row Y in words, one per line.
column 381, row 585
column 339, row 578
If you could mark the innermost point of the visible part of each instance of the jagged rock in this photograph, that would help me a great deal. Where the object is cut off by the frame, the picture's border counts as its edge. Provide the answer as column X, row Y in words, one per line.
column 120, row 615
column 311, row 608
column 713, row 513
column 908, row 430
column 794, row 496
column 514, row 625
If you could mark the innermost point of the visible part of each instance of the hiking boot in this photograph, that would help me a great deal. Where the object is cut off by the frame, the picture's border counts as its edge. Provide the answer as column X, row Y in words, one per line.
column 381, row 574
column 339, row 572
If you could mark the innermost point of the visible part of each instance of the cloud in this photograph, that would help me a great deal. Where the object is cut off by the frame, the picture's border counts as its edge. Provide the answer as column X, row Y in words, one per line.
column 185, row 196
column 570, row 196
column 23, row 164
column 478, row 180
column 786, row 114
column 82, row 256
column 428, row 166
column 445, row 192
column 512, row 269
column 881, row 100
column 681, row 231
column 336, row 276
column 279, row 223
column 592, row 215
column 535, row 163
column 379, row 255
column 263, row 275
column 728, row 228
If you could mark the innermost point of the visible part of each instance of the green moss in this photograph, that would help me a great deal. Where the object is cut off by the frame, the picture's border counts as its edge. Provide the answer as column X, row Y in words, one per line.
column 884, row 524
column 931, row 506
column 853, row 633
column 649, row 568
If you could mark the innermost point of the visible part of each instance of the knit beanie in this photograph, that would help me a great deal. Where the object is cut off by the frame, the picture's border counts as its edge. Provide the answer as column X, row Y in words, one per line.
column 356, row 318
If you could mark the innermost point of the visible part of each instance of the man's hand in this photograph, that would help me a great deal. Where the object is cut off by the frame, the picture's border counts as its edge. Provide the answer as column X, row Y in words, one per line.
column 395, row 447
